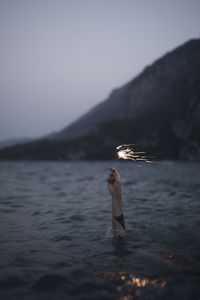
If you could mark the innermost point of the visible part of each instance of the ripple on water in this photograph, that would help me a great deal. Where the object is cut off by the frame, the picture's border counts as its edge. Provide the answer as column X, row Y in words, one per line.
column 12, row 281
column 61, row 238
column 50, row 282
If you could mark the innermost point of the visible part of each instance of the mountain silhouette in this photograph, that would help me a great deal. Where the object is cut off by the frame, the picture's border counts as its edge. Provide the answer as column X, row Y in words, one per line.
column 159, row 110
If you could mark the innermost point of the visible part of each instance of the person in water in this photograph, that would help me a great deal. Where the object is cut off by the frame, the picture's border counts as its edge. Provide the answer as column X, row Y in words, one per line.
column 114, row 186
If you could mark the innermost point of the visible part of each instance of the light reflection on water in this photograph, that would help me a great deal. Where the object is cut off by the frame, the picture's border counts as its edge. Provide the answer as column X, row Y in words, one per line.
column 129, row 286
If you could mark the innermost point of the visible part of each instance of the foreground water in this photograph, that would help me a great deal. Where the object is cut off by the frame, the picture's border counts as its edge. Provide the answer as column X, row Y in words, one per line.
column 55, row 238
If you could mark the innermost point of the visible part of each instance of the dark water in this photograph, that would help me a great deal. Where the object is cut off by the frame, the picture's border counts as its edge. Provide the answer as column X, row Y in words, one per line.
column 55, row 239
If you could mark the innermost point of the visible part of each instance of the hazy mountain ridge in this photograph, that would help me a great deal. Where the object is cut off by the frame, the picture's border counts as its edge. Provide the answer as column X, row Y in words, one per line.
column 159, row 110
column 12, row 142
column 152, row 88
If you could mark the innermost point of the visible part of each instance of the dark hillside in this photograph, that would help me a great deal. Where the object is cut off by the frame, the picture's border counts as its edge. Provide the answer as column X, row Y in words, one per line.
column 159, row 110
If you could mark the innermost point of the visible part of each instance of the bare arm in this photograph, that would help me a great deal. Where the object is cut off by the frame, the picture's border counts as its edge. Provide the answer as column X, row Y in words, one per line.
column 114, row 186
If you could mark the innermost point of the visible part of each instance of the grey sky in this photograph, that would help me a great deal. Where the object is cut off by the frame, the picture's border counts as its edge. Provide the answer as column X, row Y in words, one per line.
column 59, row 58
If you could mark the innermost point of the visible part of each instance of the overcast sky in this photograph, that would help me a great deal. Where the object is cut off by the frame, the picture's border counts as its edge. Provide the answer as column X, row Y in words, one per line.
column 58, row 58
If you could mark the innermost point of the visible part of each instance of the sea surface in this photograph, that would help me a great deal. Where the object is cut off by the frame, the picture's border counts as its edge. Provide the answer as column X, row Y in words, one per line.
column 56, row 240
